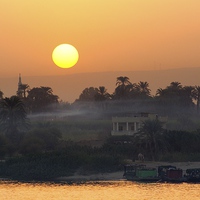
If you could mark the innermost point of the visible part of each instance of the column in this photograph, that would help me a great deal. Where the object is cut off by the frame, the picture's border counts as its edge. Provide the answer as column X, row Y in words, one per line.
column 127, row 126
column 135, row 126
column 113, row 126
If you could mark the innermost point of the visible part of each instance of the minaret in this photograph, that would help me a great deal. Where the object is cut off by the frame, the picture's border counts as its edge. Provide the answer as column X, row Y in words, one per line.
column 19, row 91
column 20, row 81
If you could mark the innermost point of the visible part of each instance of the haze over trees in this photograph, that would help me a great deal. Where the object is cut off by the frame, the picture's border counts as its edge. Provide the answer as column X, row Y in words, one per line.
column 137, row 97
column 39, row 143
column 173, row 100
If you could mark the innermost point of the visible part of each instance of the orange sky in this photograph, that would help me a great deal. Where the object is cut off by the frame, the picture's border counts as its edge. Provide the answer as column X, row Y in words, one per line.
column 110, row 35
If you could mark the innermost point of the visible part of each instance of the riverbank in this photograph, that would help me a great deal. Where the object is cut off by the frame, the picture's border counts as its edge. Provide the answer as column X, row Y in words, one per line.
column 116, row 176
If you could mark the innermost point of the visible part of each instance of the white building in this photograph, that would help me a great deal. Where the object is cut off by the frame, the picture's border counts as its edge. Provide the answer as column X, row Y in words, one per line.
column 131, row 125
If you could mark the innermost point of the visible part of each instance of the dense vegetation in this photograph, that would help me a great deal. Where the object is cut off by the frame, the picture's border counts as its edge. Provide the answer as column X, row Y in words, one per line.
column 42, row 138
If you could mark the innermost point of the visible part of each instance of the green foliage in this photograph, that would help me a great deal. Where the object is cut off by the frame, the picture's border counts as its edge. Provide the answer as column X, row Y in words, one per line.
column 151, row 135
column 180, row 157
column 48, row 166
column 183, row 141
column 39, row 164
column 39, row 140
column 39, row 167
column 3, row 146
column 83, row 129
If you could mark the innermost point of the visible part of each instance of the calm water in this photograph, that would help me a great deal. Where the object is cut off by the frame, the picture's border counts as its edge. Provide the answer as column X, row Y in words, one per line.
column 99, row 190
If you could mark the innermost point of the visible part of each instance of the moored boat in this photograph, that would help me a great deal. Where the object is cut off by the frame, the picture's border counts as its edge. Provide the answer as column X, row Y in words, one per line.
column 193, row 175
column 164, row 173
column 140, row 173
column 169, row 173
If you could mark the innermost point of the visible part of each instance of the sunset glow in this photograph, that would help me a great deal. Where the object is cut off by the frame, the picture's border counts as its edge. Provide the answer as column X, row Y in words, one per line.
column 111, row 36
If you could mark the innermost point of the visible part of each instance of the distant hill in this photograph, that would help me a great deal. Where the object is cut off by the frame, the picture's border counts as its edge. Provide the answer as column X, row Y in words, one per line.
column 69, row 87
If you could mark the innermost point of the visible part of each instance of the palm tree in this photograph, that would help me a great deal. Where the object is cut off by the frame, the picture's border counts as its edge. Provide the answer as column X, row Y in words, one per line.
column 187, row 95
column 13, row 116
column 39, row 99
column 143, row 88
column 88, row 94
column 24, row 88
column 151, row 134
column 101, row 94
column 122, row 81
column 160, row 92
column 175, row 85
column 172, row 95
column 123, row 88
column 197, row 96
column 1, row 95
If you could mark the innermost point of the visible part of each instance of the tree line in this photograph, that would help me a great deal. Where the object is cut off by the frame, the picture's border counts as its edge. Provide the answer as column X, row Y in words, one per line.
column 125, row 90
column 40, row 99
column 171, row 100
column 37, row 99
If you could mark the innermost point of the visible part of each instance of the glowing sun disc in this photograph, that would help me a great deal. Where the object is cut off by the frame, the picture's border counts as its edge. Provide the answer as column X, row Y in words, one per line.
column 65, row 56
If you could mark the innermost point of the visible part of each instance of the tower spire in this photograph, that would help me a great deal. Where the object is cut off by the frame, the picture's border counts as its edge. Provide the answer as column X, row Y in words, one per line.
column 19, row 90
column 20, row 80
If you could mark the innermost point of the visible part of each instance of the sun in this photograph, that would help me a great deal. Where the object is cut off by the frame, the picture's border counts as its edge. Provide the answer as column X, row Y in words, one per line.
column 65, row 56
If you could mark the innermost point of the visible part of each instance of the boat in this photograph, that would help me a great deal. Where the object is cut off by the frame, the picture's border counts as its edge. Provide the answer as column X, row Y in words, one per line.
column 164, row 173
column 169, row 173
column 193, row 175
column 140, row 173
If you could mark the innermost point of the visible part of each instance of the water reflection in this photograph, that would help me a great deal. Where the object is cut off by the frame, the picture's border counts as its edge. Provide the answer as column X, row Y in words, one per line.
column 98, row 190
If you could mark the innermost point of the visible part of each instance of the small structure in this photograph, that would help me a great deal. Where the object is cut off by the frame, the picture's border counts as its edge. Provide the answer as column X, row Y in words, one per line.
column 131, row 125
column 141, row 157
column 22, row 88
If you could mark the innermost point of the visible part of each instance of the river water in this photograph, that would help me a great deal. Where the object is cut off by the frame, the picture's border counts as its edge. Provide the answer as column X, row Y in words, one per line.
column 108, row 190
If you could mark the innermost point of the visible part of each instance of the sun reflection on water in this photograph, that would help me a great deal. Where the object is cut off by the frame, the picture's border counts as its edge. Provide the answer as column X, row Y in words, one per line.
column 109, row 190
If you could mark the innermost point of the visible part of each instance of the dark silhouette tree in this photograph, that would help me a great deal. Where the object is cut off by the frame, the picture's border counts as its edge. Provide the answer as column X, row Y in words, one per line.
column 102, row 94
column 40, row 99
column 161, row 92
column 1, row 95
column 102, row 97
column 175, row 86
column 124, row 86
column 187, row 95
column 88, row 94
column 174, row 95
column 197, row 96
column 151, row 134
column 143, row 89
column 13, row 116
column 24, row 88
column 123, row 81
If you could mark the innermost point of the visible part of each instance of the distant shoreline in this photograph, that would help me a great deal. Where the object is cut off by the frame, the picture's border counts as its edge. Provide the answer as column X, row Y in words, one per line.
column 108, row 176
column 118, row 176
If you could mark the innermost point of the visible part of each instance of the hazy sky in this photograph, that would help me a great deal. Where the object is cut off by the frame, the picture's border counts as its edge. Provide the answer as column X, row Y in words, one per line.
column 110, row 35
